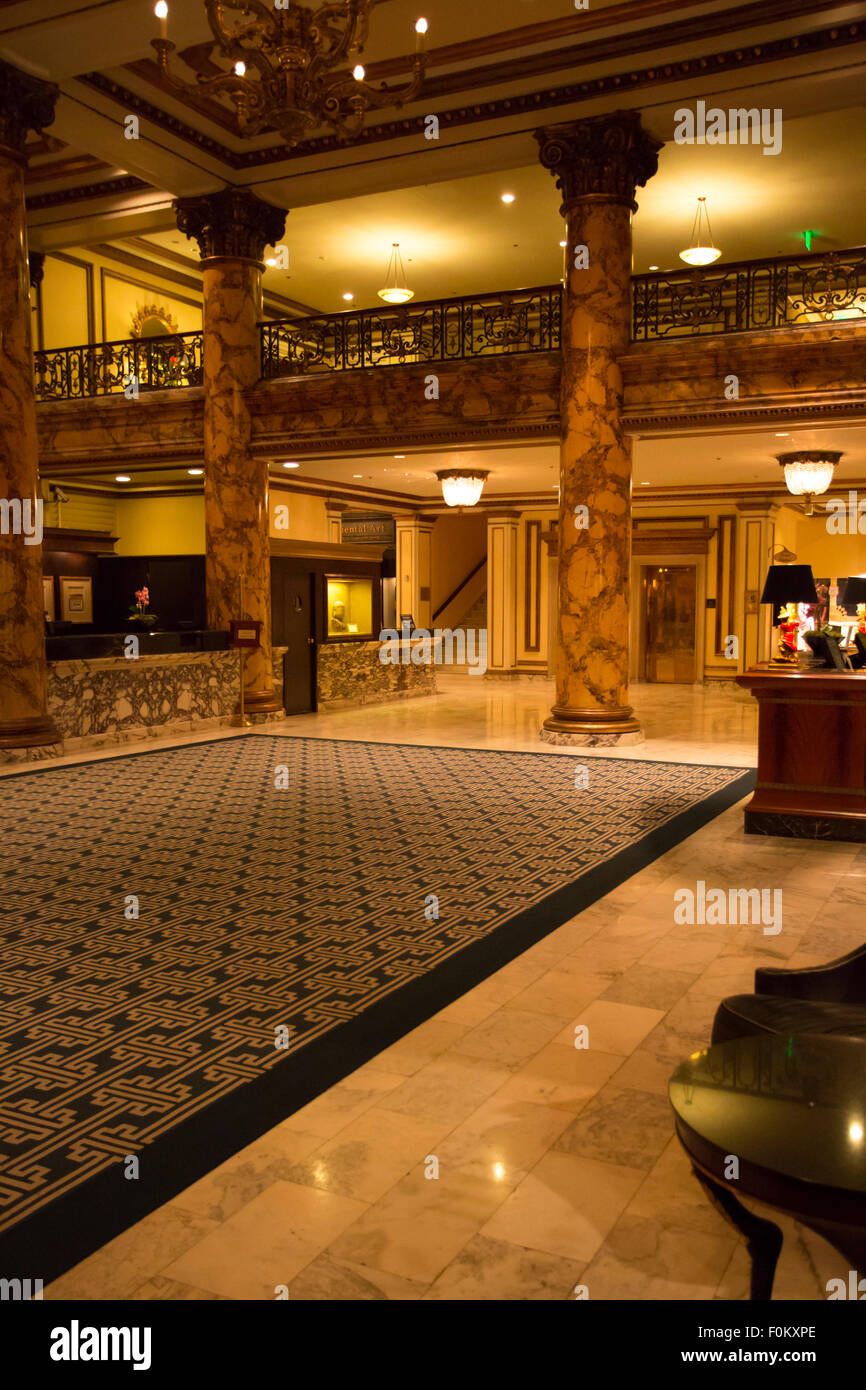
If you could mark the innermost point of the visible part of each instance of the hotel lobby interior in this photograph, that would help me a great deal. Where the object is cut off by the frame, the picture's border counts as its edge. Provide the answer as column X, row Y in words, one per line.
column 433, row 664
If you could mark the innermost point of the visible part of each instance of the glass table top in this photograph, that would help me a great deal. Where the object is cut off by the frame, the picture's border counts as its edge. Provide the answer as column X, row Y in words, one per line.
column 794, row 1105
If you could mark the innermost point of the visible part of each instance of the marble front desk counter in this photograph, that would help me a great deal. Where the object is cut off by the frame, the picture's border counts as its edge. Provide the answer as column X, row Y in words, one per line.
column 114, row 700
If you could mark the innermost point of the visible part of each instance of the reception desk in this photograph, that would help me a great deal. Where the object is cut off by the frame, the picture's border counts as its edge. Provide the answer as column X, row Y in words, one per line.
column 811, row 754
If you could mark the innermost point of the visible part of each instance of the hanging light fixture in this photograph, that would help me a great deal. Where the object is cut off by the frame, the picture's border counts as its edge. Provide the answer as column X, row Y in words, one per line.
column 462, row 487
column 396, row 291
column 284, row 67
column 808, row 473
column 701, row 249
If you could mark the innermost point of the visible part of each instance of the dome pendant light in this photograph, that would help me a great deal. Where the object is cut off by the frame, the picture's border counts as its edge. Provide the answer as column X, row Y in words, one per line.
column 809, row 473
column 701, row 250
column 462, row 487
column 396, row 291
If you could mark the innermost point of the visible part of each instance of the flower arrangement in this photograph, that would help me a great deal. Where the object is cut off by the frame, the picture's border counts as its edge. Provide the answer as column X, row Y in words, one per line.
column 139, row 610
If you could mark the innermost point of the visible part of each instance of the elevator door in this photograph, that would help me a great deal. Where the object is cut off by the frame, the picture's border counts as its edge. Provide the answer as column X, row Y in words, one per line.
column 669, row 594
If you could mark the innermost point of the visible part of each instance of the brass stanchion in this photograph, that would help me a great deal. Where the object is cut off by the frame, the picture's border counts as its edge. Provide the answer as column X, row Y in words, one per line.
column 240, row 721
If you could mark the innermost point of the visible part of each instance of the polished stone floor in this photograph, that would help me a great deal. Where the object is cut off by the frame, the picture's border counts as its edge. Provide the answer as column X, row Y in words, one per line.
column 483, row 1156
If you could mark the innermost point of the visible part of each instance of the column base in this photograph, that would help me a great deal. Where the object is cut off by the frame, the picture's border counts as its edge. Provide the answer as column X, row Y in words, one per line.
column 38, row 732
column 260, row 702
column 592, row 728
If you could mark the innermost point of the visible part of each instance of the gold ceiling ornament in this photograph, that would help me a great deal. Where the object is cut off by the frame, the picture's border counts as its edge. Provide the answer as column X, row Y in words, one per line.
column 280, row 65
column 152, row 321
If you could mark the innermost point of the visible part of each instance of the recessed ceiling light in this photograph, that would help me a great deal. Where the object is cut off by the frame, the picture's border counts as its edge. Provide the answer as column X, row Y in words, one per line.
column 782, row 434
column 653, row 267
column 348, row 296
column 122, row 478
column 357, row 475
column 195, row 472
column 291, row 465
column 563, row 243
column 399, row 456
column 508, row 197
column 644, row 484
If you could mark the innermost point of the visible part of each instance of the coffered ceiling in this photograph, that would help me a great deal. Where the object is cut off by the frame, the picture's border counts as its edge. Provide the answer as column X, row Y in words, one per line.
column 497, row 70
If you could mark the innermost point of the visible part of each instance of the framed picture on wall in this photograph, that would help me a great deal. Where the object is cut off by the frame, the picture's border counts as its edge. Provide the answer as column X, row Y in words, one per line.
column 48, row 597
column 76, row 599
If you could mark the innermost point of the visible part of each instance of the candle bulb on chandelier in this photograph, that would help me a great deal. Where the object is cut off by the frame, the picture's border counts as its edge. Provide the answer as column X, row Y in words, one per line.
column 420, row 31
column 240, row 68
column 359, row 72
column 160, row 9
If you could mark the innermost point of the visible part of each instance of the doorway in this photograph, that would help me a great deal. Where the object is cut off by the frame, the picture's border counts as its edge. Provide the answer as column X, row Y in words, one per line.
column 668, row 618
column 293, row 627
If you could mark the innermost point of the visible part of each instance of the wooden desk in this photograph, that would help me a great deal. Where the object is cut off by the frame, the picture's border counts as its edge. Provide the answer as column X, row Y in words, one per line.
column 811, row 754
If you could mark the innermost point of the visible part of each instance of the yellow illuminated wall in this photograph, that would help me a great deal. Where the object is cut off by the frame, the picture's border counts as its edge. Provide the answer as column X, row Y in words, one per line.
column 160, row 526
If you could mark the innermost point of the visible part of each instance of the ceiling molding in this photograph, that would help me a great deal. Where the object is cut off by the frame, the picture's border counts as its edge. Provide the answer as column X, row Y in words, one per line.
column 109, row 189
column 710, row 64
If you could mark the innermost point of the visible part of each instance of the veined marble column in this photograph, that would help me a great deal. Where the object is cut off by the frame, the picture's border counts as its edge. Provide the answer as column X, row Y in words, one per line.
column 232, row 229
column 25, row 104
column 598, row 163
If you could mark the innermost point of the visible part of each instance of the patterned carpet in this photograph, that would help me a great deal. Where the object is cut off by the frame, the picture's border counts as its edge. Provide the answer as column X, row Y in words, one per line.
column 263, row 907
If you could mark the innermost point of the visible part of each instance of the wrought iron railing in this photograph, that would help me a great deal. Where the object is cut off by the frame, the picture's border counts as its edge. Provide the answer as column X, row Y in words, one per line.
column 441, row 330
column 750, row 296
column 130, row 364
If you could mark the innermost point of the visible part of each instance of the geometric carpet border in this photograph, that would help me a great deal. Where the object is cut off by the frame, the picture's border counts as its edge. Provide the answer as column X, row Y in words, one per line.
column 73, row 1226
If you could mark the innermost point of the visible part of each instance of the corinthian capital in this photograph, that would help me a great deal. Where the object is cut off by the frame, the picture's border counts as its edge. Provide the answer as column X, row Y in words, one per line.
column 233, row 222
column 26, row 103
column 604, row 158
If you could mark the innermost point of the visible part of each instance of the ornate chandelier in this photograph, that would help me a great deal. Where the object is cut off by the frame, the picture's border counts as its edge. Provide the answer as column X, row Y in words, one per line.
column 280, row 65
column 808, row 472
column 462, row 487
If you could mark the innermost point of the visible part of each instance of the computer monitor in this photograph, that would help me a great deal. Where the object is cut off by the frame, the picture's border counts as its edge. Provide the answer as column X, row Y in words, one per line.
column 827, row 651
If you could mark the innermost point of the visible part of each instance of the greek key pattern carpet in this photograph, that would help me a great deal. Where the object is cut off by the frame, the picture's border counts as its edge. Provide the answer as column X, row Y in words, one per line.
column 169, row 917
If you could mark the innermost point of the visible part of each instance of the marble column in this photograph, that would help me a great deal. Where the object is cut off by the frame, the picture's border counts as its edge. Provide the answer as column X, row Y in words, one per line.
column 598, row 163
column 26, row 729
column 232, row 229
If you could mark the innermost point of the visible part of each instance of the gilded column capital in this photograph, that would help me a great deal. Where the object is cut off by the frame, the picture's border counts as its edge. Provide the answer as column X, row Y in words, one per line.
column 603, row 158
column 26, row 103
column 233, row 222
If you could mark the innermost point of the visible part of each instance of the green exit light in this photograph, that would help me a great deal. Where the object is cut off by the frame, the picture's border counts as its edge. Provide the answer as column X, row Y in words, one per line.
column 807, row 237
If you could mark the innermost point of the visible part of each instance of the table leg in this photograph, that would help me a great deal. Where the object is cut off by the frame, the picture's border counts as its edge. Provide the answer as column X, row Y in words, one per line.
column 763, row 1238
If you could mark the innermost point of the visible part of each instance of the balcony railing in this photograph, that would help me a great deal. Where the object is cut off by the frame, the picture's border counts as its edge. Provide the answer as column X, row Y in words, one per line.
column 442, row 330
column 130, row 364
column 750, row 296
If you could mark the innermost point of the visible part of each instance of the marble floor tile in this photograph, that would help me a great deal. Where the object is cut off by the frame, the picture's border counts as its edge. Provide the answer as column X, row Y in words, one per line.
column 489, row 1269
column 328, row 1280
column 649, row 987
column 562, row 1078
column 560, row 993
column 642, row 1259
column 629, row 1128
column 369, row 1155
column 448, row 1090
column 508, row 1038
column 265, row 1244
column 565, row 1206
column 617, row 1028
column 128, row 1261
column 417, row 1228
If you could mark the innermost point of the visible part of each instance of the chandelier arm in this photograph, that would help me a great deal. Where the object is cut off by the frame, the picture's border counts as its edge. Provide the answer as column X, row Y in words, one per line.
column 378, row 96
column 353, row 17
column 224, row 36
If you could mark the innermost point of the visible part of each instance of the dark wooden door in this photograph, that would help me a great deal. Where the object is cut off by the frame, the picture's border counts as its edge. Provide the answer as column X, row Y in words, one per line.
column 292, row 595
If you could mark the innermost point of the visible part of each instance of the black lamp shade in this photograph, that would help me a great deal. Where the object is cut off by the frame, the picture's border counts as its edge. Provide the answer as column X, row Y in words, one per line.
column 789, row 584
column 852, row 590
